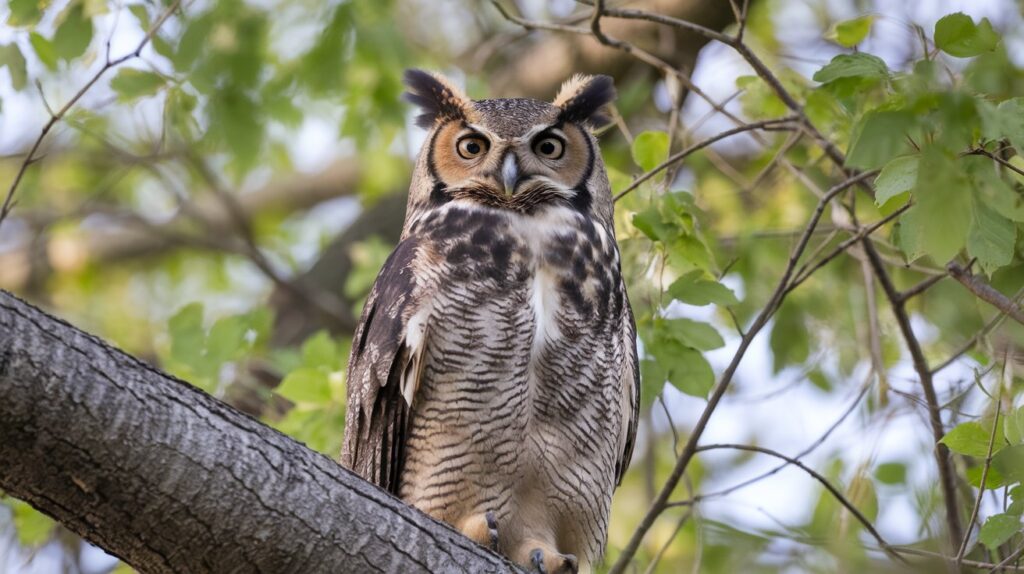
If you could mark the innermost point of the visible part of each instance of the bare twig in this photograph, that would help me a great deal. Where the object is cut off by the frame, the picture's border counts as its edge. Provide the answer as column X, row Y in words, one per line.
column 8, row 203
column 681, row 154
column 981, row 486
column 985, row 292
column 839, row 496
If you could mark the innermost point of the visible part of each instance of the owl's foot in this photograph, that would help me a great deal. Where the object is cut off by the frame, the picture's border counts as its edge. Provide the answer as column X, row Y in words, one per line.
column 482, row 529
column 492, row 529
column 553, row 563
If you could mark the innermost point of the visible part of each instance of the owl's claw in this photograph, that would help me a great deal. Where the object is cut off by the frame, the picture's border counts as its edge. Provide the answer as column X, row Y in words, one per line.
column 492, row 529
column 537, row 558
column 569, row 563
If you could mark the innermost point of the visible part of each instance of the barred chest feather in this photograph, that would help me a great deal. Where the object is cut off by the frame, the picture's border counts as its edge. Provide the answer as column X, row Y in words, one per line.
column 517, row 409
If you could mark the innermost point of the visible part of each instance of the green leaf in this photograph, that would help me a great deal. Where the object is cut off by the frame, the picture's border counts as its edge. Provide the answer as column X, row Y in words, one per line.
column 891, row 473
column 898, row 176
column 1010, row 463
column 132, row 84
column 998, row 529
column 957, row 35
column 188, row 339
column 650, row 149
column 226, row 340
column 789, row 342
column 1013, row 426
column 694, row 334
column 992, row 480
column 650, row 223
column 879, row 137
column 991, row 189
column 1011, row 118
column 683, row 367
column 44, row 49
column 693, row 289
column 141, row 14
column 306, row 385
column 968, row 438
column 991, row 238
column 851, row 32
column 74, row 34
column 944, row 205
column 859, row 65
column 908, row 232
column 33, row 527
column 12, row 59
column 320, row 351
column 26, row 12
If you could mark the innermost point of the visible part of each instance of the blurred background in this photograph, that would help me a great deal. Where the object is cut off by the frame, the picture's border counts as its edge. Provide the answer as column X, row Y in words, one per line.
column 220, row 205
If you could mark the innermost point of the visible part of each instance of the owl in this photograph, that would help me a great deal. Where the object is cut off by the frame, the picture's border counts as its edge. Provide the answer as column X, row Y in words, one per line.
column 493, row 378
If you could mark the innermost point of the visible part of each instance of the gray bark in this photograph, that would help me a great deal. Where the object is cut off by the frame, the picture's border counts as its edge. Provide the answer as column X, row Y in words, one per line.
column 172, row 480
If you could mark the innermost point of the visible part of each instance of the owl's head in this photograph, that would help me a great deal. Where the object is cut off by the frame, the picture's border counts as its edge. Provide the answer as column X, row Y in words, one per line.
column 517, row 154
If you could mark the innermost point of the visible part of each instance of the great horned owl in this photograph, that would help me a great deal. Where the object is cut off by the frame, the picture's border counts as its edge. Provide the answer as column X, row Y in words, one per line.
column 493, row 378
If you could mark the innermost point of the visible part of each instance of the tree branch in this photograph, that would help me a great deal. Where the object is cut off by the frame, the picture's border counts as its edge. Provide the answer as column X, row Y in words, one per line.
column 985, row 292
column 171, row 480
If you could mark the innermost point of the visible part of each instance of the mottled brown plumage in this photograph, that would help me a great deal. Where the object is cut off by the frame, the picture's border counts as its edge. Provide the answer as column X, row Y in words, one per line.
column 493, row 378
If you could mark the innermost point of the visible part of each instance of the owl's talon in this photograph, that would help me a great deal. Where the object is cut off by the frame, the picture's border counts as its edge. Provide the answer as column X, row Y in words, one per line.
column 492, row 529
column 537, row 558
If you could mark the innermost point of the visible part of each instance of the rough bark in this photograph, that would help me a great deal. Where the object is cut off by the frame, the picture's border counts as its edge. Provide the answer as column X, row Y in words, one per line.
column 172, row 480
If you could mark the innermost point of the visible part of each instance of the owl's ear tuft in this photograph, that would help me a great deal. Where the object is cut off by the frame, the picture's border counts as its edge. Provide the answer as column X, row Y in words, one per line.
column 582, row 97
column 436, row 97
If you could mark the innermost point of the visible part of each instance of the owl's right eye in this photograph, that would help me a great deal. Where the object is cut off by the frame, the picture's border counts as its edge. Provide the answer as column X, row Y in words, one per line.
column 472, row 147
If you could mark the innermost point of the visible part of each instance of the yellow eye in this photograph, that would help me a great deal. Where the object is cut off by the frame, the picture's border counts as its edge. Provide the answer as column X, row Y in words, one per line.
column 549, row 148
column 472, row 147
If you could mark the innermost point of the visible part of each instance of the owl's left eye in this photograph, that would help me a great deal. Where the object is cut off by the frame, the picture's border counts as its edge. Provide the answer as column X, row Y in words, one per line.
column 549, row 148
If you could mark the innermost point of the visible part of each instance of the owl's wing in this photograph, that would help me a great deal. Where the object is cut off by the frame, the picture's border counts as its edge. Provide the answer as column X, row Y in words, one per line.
column 384, row 370
column 630, row 404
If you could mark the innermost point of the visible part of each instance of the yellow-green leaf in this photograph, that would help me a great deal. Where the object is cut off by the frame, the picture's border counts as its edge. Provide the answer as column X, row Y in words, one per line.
column 131, row 84
column 849, row 33
column 650, row 149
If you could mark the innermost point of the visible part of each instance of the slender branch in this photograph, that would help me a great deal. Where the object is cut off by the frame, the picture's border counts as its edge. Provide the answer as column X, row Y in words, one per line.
column 985, row 292
column 682, row 154
column 921, row 287
column 942, row 458
column 808, row 269
column 8, row 203
column 951, row 559
column 839, row 496
column 771, row 472
column 970, row 343
column 981, row 486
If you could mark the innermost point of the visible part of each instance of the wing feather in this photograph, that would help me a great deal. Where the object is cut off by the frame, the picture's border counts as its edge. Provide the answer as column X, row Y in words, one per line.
column 630, row 396
column 384, row 370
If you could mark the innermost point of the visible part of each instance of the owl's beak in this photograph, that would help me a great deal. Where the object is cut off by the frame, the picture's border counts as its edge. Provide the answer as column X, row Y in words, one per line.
column 509, row 173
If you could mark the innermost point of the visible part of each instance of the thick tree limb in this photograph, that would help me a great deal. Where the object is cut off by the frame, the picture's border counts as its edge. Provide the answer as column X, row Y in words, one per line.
column 172, row 480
